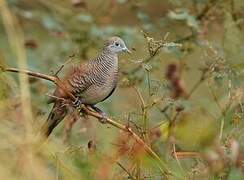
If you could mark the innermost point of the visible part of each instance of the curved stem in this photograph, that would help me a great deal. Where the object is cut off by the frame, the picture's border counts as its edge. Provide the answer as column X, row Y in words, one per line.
column 161, row 165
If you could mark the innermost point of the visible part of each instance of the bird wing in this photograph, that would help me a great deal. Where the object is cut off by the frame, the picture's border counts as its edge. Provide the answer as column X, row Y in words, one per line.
column 76, row 81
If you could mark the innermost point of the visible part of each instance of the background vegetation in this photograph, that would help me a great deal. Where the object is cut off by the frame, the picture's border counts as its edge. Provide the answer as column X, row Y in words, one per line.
column 181, row 91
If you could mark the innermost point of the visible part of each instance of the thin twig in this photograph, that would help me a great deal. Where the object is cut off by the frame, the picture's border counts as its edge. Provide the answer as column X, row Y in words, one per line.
column 176, row 157
column 222, row 123
column 138, row 128
column 181, row 155
column 30, row 73
column 127, row 172
column 144, row 116
column 210, row 4
column 143, row 104
column 62, row 66
column 222, row 110
column 89, row 111
column 55, row 97
column 216, row 100
column 57, row 168
column 164, row 110
column 194, row 88
column 149, row 83
column 138, row 169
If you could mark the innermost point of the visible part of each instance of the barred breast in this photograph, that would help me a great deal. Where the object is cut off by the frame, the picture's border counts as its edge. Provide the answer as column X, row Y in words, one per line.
column 104, row 81
column 98, row 80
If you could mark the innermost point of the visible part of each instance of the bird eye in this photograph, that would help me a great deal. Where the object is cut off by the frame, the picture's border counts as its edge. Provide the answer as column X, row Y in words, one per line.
column 116, row 44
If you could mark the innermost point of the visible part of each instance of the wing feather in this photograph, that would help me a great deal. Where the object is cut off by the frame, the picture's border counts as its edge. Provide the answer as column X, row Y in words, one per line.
column 76, row 81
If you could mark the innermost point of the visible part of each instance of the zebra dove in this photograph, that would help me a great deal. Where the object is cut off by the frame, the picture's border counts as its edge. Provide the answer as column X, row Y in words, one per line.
column 90, row 83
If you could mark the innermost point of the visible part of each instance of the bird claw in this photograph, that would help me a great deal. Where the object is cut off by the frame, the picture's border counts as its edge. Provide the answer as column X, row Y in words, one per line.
column 104, row 118
column 77, row 103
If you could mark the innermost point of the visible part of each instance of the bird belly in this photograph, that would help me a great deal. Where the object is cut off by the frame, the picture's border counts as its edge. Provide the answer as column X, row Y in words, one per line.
column 97, row 93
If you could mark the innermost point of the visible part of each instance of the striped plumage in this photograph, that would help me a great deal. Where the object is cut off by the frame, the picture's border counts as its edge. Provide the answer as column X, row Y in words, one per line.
column 91, row 83
column 99, row 79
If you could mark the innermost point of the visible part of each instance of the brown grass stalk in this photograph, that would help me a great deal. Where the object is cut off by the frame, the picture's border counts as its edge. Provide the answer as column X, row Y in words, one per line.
column 160, row 164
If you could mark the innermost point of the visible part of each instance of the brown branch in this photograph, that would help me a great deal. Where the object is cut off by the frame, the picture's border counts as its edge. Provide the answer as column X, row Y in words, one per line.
column 194, row 88
column 177, row 159
column 62, row 66
column 143, row 104
column 127, row 172
column 182, row 155
column 30, row 73
column 210, row 4
column 144, row 115
column 161, row 165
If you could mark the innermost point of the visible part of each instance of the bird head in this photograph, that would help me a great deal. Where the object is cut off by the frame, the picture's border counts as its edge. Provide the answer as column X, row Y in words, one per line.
column 116, row 45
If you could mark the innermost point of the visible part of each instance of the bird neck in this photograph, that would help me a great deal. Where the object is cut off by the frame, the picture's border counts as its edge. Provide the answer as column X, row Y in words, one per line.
column 107, row 57
column 109, row 52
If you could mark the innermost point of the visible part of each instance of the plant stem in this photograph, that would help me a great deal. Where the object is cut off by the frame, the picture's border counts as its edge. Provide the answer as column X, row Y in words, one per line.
column 88, row 110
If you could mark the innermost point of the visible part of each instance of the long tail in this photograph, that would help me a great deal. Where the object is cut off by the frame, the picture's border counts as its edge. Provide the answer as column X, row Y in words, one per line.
column 55, row 117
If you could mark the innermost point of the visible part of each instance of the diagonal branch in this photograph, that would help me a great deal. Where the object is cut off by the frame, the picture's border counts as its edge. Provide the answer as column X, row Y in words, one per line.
column 161, row 165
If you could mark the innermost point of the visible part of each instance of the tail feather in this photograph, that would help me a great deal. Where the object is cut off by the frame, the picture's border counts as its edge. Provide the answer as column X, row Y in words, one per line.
column 56, row 115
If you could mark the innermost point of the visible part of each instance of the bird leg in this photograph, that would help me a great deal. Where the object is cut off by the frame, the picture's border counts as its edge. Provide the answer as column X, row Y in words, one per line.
column 104, row 116
column 77, row 103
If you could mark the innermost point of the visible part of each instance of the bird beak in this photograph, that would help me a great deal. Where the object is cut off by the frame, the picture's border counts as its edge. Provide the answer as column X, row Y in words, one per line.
column 125, row 49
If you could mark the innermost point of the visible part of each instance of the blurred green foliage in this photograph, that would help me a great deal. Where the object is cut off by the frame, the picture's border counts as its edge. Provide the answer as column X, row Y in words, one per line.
column 193, row 92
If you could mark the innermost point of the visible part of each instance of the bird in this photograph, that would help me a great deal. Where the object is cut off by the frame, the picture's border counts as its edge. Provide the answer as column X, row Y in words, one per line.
column 91, row 82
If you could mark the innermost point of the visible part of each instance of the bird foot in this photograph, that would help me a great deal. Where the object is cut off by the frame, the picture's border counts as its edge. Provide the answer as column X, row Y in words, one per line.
column 104, row 117
column 77, row 103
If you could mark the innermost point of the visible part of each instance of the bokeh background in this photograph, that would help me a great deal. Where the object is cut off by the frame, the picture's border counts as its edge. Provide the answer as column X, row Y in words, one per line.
column 181, row 90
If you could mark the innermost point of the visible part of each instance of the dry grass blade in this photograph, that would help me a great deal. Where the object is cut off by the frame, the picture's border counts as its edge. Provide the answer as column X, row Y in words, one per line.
column 161, row 165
